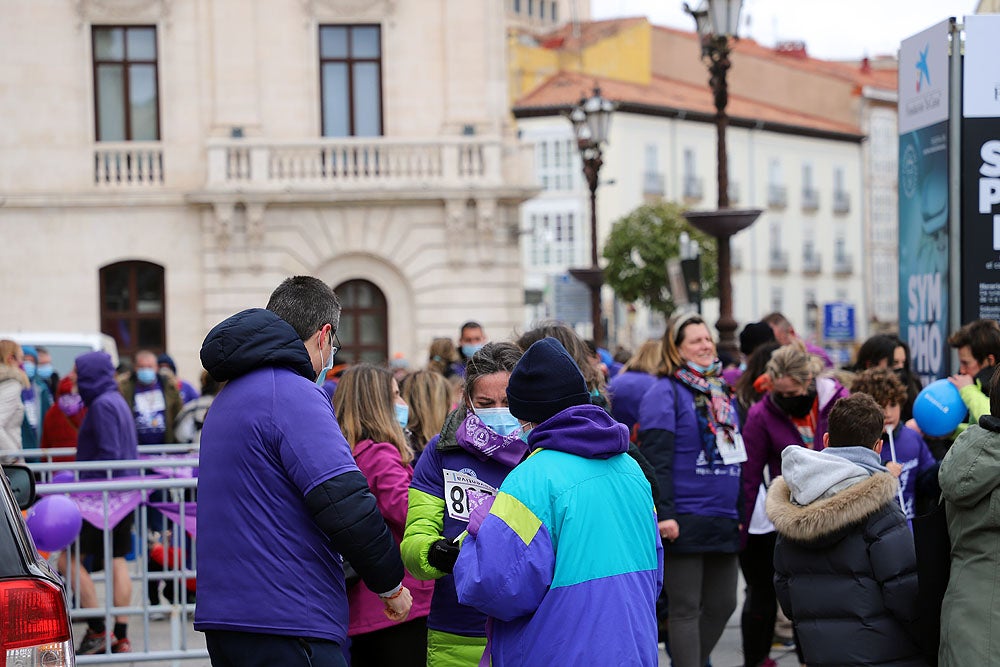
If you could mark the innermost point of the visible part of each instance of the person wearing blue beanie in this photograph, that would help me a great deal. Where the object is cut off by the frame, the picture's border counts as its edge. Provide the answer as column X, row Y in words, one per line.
column 572, row 524
column 545, row 381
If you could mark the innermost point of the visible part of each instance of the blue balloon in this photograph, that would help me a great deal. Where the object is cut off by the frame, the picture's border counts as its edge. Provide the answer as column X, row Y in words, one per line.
column 54, row 522
column 939, row 408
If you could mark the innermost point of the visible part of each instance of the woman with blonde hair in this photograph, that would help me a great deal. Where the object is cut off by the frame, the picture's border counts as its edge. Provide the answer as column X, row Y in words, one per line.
column 372, row 415
column 637, row 375
column 690, row 432
column 12, row 382
column 800, row 393
column 429, row 396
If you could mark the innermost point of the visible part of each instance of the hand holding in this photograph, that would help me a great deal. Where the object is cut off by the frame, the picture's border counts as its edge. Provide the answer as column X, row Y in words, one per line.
column 397, row 607
column 960, row 380
column 894, row 468
column 669, row 529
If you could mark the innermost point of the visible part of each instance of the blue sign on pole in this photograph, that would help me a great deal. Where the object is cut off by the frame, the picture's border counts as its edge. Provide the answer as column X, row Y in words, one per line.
column 838, row 321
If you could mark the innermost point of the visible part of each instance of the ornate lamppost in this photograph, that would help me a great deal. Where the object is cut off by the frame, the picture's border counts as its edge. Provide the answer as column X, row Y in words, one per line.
column 591, row 120
column 717, row 22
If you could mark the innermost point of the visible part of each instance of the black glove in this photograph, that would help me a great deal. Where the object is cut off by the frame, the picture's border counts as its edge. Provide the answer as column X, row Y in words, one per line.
column 443, row 555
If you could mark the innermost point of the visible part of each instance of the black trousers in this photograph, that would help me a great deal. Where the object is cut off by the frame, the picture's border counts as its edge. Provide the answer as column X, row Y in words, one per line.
column 760, row 608
column 250, row 649
column 403, row 645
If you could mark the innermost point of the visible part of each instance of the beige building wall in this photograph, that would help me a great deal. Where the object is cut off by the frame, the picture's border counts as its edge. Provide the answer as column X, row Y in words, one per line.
column 429, row 217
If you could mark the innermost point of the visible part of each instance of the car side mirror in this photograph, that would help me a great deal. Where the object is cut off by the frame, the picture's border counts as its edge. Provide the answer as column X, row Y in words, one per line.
column 22, row 483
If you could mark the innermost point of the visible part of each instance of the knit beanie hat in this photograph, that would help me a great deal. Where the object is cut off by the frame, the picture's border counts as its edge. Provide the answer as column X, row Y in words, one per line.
column 29, row 351
column 754, row 335
column 168, row 360
column 545, row 381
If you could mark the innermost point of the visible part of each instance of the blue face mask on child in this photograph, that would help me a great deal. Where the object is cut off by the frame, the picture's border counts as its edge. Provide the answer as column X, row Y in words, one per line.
column 29, row 369
column 45, row 371
column 498, row 420
column 402, row 414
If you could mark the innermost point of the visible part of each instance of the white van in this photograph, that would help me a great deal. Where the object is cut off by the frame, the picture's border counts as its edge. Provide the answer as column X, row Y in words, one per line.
column 65, row 347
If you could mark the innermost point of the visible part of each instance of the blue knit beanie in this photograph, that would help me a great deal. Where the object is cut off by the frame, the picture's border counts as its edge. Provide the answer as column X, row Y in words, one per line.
column 29, row 351
column 545, row 381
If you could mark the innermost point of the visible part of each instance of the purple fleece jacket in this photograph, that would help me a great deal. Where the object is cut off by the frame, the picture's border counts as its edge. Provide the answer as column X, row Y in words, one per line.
column 108, row 431
column 769, row 430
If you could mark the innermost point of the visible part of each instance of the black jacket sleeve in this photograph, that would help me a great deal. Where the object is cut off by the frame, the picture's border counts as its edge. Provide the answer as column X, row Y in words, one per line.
column 345, row 509
column 647, row 470
column 657, row 445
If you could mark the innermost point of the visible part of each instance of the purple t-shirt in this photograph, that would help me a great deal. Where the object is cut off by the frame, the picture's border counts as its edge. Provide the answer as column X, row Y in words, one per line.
column 263, row 564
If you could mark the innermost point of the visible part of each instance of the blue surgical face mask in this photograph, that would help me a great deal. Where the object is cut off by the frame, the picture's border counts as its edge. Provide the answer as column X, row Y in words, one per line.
column 45, row 371
column 704, row 370
column 524, row 435
column 469, row 350
column 321, row 378
column 402, row 414
column 29, row 369
column 146, row 375
column 499, row 420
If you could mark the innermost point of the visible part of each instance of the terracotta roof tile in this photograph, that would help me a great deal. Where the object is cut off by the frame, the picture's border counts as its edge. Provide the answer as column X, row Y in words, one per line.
column 567, row 88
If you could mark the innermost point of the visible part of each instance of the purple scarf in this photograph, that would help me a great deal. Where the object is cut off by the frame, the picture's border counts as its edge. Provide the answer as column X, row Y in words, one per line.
column 484, row 443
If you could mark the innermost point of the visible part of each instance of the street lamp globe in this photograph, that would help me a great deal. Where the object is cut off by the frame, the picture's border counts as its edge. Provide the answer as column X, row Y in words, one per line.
column 598, row 112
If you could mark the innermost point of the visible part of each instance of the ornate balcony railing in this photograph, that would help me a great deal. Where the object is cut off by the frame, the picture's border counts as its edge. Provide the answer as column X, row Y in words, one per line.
column 128, row 164
column 360, row 164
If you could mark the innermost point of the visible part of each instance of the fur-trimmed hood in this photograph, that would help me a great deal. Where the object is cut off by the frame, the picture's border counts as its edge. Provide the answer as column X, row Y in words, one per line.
column 12, row 373
column 828, row 517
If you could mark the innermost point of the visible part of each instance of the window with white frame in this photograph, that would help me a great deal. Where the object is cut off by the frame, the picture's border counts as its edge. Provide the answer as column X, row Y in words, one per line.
column 777, row 299
column 556, row 162
column 553, row 239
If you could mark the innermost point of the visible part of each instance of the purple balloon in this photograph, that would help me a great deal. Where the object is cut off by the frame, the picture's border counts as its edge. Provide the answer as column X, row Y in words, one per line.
column 54, row 522
column 63, row 477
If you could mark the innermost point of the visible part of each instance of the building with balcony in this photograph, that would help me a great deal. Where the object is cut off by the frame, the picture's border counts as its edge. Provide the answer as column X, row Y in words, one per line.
column 796, row 149
column 167, row 163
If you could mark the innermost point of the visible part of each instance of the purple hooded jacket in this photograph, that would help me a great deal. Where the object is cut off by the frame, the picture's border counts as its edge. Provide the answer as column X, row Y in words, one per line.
column 108, row 431
column 769, row 430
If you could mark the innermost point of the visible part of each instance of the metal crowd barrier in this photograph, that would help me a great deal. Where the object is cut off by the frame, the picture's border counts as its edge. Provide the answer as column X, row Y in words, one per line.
column 151, row 638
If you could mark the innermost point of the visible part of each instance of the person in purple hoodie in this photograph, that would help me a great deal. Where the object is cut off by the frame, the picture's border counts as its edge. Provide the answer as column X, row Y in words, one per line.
column 106, row 434
column 689, row 430
column 281, row 501
column 478, row 446
column 565, row 559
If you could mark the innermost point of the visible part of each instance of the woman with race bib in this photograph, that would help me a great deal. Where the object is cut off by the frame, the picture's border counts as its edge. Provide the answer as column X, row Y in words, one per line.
column 478, row 446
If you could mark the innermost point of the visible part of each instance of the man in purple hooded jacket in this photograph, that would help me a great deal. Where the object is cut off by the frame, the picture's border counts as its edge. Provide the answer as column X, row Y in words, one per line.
column 106, row 434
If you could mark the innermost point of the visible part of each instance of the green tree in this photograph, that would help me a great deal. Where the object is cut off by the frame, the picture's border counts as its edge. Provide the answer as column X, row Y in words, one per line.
column 638, row 248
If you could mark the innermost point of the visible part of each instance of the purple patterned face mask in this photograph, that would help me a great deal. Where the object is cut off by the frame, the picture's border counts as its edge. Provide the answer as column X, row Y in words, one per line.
column 483, row 442
column 70, row 404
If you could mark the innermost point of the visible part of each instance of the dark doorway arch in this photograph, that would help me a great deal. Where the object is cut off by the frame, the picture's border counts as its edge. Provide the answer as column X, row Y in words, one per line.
column 133, row 306
column 364, row 323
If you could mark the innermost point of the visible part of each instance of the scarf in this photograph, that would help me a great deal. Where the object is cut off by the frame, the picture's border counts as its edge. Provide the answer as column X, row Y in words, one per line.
column 484, row 443
column 713, row 403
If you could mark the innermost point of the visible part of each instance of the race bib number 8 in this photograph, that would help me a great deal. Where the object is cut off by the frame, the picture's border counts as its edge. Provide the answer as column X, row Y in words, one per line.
column 464, row 493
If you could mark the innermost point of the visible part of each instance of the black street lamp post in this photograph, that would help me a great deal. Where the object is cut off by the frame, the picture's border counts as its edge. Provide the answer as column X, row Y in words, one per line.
column 716, row 22
column 591, row 119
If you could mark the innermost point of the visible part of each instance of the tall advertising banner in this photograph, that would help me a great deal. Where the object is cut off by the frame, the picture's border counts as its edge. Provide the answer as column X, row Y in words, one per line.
column 981, row 169
column 923, row 199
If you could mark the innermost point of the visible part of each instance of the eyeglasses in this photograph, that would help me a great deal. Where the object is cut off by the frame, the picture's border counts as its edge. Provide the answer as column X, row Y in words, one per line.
column 335, row 346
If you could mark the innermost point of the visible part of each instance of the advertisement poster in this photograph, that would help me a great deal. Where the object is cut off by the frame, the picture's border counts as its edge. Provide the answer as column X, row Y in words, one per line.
column 981, row 170
column 923, row 200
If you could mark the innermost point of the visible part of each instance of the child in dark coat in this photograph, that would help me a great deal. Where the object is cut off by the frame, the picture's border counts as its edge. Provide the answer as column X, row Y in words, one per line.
column 845, row 569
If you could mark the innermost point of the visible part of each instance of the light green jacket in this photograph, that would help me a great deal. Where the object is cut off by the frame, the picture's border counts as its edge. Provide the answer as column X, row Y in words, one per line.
column 970, row 484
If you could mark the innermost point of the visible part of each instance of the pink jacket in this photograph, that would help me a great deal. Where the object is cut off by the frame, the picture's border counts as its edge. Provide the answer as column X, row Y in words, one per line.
column 389, row 481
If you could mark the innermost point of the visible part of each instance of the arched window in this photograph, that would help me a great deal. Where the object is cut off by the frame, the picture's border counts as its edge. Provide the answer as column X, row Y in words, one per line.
column 364, row 329
column 133, row 309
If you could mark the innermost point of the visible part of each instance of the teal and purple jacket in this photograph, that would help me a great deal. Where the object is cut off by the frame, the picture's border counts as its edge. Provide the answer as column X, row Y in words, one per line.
column 568, row 562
